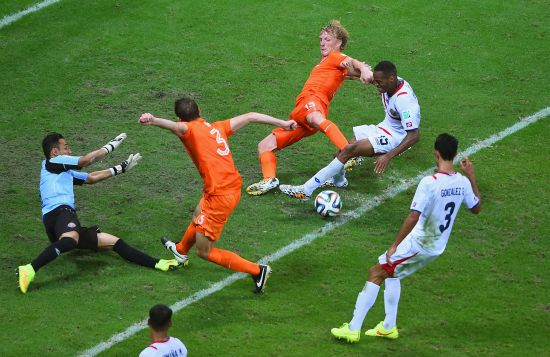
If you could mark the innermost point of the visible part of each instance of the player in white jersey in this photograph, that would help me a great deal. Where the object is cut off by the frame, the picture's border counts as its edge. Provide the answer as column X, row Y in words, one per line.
column 398, row 132
column 162, row 345
column 421, row 239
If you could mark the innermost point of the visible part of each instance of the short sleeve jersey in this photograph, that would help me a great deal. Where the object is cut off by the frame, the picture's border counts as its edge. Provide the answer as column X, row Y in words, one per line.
column 173, row 347
column 207, row 145
column 438, row 198
column 57, row 178
column 402, row 109
column 325, row 78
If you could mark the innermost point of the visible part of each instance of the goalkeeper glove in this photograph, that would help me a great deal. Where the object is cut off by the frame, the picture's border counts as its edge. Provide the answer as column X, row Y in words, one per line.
column 126, row 164
column 113, row 144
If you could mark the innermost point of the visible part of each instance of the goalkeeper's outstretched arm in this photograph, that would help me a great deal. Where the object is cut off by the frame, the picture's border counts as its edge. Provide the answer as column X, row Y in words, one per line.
column 97, row 176
column 100, row 153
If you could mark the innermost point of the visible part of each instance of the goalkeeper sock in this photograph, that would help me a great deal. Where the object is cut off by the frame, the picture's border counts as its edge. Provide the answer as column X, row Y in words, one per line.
column 392, row 292
column 365, row 300
column 63, row 245
column 232, row 261
column 188, row 239
column 133, row 255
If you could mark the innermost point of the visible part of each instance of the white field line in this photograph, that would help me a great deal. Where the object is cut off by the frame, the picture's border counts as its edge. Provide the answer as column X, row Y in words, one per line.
column 310, row 237
column 6, row 20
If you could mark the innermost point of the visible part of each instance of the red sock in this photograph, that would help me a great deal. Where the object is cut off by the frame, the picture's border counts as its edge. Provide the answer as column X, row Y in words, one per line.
column 268, row 160
column 232, row 261
column 188, row 239
column 333, row 133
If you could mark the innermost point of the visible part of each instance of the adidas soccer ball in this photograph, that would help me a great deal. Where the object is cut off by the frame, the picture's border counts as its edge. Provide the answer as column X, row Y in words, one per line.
column 328, row 203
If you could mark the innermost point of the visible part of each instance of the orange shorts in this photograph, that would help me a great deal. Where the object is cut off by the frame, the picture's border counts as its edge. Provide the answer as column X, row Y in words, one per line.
column 304, row 107
column 214, row 213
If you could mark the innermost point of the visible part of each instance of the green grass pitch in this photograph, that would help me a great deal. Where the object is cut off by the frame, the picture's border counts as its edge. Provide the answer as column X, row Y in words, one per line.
column 88, row 69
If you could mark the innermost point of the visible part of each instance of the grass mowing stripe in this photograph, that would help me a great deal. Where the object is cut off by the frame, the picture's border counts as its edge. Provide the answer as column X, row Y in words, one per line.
column 9, row 19
column 310, row 237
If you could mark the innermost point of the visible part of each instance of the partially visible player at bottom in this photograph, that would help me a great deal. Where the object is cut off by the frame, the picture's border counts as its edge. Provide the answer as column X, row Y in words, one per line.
column 160, row 320
column 398, row 132
column 207, row 145
column 421, row 239
column 57, row 177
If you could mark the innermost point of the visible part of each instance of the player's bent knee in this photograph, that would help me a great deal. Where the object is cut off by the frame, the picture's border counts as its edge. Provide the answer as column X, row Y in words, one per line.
column 269, row 143
column 73, row 235
column 377, row 274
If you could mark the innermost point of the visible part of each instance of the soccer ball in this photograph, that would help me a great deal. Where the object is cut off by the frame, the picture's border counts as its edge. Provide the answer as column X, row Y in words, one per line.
column 328, row 203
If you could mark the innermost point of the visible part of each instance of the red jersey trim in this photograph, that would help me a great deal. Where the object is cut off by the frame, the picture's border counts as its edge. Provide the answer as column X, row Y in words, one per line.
column 401, row 93
column 385, row 131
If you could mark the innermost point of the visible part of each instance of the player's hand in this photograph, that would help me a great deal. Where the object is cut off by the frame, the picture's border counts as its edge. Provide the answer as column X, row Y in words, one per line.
column 126, row 164
column 381, row 163
column 391, row 250
column 467, row 166
column 367, row 76
column 113, row 144
column 289, row 125
column 146, row 119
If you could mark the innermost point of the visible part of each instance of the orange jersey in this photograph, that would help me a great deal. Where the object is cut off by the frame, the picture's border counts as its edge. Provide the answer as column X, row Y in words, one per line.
column 325, row 78
column 208, row 147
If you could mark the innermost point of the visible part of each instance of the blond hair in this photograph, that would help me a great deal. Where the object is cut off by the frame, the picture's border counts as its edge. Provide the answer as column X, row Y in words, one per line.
column 335, row 28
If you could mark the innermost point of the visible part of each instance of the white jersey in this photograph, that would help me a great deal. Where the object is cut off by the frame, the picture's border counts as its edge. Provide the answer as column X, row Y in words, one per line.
column 402, row 111
column 172, row 347
column 438, row 198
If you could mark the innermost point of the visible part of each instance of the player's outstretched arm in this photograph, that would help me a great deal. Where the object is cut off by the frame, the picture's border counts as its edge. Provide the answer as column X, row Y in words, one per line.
column 358, row 69
column 179, row 128
column 242, row 120
column 406, row 228
column 99, row 154
column 124, row 166
column 468, row 169
column 412, row 137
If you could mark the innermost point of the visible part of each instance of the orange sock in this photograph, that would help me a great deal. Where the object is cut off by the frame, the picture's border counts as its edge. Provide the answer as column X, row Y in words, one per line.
column 333, row 133
column 232, row 261
column 268, row 160
column 188, row 239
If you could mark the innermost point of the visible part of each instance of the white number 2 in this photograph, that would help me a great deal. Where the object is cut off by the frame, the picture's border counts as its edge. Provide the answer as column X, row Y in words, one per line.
column 221, row 141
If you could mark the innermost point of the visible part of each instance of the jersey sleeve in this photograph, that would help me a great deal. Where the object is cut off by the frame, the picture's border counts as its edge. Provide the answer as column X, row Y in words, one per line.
column 336, row 58
column 62, row 163
column 409, row 111
column 421, row 197
column 224, row 126
column 470, row 198
column 79, row 177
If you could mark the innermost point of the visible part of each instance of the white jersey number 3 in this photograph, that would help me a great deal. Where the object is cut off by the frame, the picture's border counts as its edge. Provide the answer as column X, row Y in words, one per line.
column 221, row 141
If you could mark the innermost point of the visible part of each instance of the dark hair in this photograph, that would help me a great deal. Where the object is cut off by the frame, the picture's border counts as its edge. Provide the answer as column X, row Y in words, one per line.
column 187, row 109
column 49, row 142
column 446, row 145
column 386, row 67
column 160, row 316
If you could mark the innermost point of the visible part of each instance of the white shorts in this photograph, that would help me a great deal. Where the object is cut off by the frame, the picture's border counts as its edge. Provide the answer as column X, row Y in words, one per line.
column 407, row 259
column 382, row 140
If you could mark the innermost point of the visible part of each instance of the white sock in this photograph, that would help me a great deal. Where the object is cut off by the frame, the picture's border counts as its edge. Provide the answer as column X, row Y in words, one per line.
column 324, row 174
column 340, row 177
column 392, row 292
column 365, row 300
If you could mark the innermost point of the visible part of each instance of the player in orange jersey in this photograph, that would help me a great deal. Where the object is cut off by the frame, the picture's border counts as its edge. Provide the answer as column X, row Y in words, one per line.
column 312, row 104
column 206, row 144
